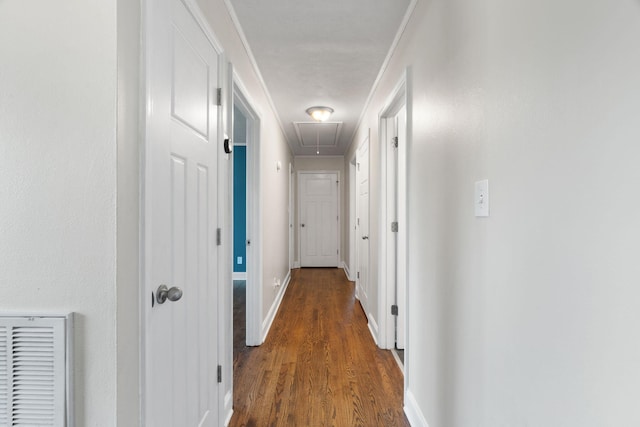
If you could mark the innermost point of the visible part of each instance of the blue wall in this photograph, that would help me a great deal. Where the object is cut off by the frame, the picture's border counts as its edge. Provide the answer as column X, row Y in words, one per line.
column 239, row 208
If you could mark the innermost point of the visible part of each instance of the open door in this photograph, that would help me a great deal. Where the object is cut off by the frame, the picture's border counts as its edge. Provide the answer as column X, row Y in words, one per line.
column 362, row 224
column 180, row 256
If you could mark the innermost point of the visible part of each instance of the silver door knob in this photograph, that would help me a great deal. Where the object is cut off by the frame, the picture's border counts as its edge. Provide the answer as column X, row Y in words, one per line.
column 172, row 294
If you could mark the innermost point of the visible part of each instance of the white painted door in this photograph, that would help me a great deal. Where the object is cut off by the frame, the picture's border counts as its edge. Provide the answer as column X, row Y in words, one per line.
column 180, row 220
column 362, row 222
column 318, row 219
column 401, row 217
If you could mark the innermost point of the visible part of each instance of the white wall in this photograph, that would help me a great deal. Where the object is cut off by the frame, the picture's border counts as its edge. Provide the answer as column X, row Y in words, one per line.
column 58, row 180
column 69, row 183
column 528, row 317
column 320, row 163
column 128, row 213
column 274, row 184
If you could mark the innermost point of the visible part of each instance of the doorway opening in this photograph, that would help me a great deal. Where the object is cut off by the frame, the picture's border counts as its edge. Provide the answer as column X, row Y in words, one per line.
column 247, row 261
column 394, row 134
column 239, row 233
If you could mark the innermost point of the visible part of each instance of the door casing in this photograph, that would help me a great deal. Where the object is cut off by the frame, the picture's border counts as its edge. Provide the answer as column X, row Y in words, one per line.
column 254, row 208
column 400, row 96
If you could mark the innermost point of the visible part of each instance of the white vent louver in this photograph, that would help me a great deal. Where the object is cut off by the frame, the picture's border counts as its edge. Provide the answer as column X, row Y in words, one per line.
column 34, row 371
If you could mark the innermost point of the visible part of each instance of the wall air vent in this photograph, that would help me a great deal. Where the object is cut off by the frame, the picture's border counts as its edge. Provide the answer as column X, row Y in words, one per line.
column 35, row 371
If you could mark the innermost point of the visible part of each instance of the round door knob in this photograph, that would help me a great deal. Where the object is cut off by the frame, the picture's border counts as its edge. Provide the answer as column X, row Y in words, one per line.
column 164, row 293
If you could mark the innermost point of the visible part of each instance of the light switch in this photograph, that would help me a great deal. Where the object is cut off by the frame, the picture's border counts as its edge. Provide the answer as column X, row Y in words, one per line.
column 482, row 198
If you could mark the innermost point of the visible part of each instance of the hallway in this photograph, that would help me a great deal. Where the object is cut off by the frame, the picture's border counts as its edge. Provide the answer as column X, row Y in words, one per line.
column 319, row 364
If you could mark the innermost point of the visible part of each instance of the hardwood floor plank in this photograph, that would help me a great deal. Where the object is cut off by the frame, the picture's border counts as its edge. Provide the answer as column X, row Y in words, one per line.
column 319, row 366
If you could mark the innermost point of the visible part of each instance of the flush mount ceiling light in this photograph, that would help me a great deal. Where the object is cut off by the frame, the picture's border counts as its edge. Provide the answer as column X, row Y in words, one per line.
column 319, row 114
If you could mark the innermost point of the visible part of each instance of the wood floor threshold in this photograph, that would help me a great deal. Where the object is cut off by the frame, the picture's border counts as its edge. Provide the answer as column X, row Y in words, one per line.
column 319, row 365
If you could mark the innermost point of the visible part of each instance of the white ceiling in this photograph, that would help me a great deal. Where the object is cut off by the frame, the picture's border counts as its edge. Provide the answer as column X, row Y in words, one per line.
column 319, row 53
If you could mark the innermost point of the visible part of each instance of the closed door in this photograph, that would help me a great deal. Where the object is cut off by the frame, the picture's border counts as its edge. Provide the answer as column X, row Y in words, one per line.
column 318, row 219
column 180, row 220
column 362, row 223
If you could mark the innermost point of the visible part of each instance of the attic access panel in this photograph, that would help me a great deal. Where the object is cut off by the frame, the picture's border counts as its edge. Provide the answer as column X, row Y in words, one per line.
column 312, row 134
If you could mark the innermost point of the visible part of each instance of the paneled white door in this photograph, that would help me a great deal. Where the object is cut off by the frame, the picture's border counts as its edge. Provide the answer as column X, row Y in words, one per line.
column 318, row 219
column 401, row 216
column 362, row 224
column 180, row 220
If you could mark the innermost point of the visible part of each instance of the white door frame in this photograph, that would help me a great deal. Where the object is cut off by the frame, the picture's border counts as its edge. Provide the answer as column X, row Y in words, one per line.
column 254, row 209
column 352, row 268
column 291, row 217
column 312, row 172
column 399, row 97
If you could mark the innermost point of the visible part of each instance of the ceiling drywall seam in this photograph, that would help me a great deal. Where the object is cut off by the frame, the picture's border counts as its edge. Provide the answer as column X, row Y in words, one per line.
column 252, row 59
column 383, row 67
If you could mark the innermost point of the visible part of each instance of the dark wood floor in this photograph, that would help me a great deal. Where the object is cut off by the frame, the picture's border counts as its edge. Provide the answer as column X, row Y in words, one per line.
column 319, row 365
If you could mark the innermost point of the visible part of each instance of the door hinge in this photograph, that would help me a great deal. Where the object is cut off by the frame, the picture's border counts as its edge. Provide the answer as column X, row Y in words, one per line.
column 358, row 274
column 219, row 96
column 394, row 141
column 358, row 221
column 219, row 236
column 394, row 226
column 394, row 310
column 219, row 373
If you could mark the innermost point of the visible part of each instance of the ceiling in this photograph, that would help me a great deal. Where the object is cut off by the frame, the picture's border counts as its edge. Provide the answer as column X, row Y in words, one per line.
column 325, row 53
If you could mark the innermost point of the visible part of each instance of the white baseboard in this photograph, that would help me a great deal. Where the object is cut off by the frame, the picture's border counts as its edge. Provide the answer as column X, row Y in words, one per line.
column 239, row 275
column 345, row 267
column 296, row 264
column 413, row 412
column 228, row 405
column 266, row 325
column 373, row 328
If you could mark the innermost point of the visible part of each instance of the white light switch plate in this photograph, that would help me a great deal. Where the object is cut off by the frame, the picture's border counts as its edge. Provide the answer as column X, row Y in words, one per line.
column 481, row 200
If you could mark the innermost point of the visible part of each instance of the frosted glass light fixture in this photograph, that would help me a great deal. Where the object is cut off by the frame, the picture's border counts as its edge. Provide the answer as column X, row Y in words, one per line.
column 319, row 114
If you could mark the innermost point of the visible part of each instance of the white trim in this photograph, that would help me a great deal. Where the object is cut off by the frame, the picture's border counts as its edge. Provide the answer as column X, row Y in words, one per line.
column 345, row 267
column 373, row 328
column 395, row 355
column 291, row 211
column 268, row 321
column 228, row 403
column 254, row 64
column 239, row 275
column 254, row 275
column 385, row 64
column 387, row 278
column 413, row 412
column 296, row 264
column 197, row 14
